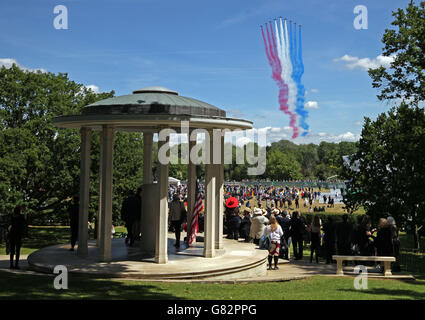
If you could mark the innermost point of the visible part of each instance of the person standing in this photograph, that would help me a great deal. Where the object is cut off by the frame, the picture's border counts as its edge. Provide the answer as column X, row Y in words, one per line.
column 297, row 230
column 315, row 237
column 231, row 206
column 274, row 232
column 16, row 233
column 177, row 216
column 395, row 243
column 131, row 211
column 364, row 235
column 329, row 239
column 258, row 222
column 343, row 236
column 234, row 224
column 285, row 223
column 74, row 214
column 383, row 239
column 245, row 225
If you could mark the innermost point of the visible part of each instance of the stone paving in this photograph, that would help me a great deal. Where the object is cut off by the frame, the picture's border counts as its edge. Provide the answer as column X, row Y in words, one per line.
column 238, row 262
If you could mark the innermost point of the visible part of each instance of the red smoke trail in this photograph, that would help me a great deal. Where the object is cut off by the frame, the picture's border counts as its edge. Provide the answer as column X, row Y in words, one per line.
column 271, row 52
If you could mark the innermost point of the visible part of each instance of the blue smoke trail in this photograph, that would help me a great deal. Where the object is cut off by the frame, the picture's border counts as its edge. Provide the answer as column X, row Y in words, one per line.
column 297, row 61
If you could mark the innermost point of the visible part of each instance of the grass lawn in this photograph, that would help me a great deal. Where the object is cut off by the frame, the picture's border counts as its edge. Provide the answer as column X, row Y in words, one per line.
column 316, row 288
column 18, row 286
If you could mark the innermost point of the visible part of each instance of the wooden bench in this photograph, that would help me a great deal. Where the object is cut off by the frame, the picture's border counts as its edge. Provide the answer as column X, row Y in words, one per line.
column 387, row 262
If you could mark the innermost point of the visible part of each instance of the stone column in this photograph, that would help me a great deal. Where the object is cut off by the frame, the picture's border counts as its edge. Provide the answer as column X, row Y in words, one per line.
column 210, row 201
column 162, row 217
column 191, row 187
column 99, row 213
column 84, row 192
column 219, row 171
column 147, row 157
column 150, row 201
column 107, row 173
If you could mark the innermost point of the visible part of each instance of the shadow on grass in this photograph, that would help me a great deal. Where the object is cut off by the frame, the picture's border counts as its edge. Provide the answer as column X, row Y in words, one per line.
column 18, row 286
column 40, row 237
column 394, row 293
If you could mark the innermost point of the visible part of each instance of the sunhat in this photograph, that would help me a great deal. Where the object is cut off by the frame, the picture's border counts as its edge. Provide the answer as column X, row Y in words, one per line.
column 258, row 211
column 232, row 202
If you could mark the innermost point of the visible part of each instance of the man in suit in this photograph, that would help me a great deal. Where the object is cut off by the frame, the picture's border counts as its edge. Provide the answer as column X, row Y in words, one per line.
column 297, row 229
column 178, row 215
column 131, row 212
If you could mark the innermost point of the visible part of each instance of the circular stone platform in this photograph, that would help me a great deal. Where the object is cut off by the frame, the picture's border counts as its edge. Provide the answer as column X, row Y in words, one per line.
column 238, row 260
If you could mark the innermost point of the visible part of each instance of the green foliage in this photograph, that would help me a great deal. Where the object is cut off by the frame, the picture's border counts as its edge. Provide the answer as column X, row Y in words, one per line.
column 282, row 166
column 39, row 163
column 406, row 77
column 392, row 170
column 336, row 217
column 316, row 162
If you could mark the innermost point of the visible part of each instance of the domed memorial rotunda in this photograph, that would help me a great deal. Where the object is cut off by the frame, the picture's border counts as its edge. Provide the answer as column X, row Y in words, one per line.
column 152, row 110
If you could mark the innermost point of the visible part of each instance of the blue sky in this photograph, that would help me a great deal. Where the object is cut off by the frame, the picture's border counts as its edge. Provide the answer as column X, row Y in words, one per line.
column 209, row 50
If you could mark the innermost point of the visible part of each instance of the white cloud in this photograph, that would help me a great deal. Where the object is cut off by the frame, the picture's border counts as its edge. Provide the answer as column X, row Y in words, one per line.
column 8, row 62
column 348, row 136
column 365, row 63
column 267, row 135
column 314, row 90
column 358, row 123
column 93, row 88
column 277, row 134
column 311, row 105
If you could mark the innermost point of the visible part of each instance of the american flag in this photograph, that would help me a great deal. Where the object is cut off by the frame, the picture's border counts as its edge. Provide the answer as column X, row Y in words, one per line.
column 194, row 228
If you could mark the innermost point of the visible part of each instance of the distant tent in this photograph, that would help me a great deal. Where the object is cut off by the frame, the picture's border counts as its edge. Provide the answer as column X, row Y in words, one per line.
column 172, row 180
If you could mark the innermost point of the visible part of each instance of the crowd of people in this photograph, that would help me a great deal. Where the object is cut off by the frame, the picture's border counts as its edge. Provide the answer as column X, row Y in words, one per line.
column 279, row 225
column 274, row 227
column 325, row 238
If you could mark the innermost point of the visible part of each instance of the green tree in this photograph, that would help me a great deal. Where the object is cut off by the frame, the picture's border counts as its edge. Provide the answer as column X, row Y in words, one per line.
column 40, row 163
column 405, row 79
column 392, row 170
column 282, row 166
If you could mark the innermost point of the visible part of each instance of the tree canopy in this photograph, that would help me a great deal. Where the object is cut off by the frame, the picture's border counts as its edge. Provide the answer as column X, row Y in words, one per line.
column 40, row 163
column 405, row 79
column 392, row 171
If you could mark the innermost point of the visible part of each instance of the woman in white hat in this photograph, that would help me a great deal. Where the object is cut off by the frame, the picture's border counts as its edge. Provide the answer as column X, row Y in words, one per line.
column 258, row 222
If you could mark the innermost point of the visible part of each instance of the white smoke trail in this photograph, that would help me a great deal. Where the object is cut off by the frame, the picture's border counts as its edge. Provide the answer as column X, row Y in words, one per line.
column 292, row 98
column 278, row 43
